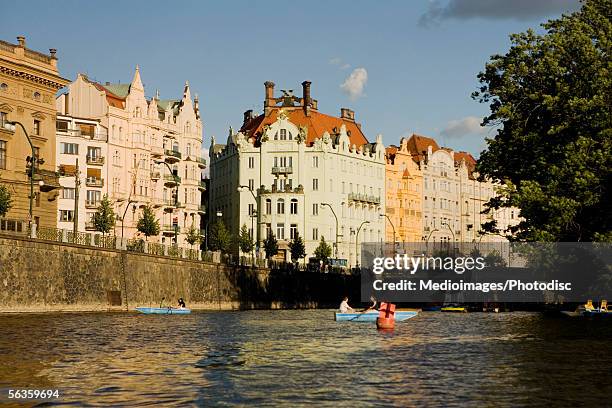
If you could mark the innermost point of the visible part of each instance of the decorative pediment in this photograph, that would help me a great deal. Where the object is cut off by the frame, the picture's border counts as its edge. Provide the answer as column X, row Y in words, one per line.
column 39, row 116
column 6, row 108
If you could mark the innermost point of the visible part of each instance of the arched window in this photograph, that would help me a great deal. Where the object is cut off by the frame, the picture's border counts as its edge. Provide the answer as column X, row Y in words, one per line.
column 280, row 206
column 188, row 149
column 283, row 134
column 294, row 206
column 175, row 146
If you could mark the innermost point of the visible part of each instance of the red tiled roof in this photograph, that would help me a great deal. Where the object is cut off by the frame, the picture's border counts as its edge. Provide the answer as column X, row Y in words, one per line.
column 418, row 146
column 317, row 124
column 470, row 161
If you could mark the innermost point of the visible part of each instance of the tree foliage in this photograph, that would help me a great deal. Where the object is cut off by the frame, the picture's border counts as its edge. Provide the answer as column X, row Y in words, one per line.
column 297, row 248
column 148, row 224
column 323, row 251
column 550, row 96
column 245, row 242
column 5, row 200
column 270, row 245
column 104, row 217
column 192, row 236
column 220, row 238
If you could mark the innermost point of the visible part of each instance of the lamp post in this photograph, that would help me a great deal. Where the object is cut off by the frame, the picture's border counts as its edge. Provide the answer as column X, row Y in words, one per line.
column 357, row 242
column 10, row 125
column 336, row 217
column 392, row 226
column 219, row 214
column 257, row 212
column 176, row 203
column 130, row 201
column 427, row 240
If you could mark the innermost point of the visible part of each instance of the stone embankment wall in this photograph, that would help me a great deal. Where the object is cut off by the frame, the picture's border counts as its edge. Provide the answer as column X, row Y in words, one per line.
column 49, row 276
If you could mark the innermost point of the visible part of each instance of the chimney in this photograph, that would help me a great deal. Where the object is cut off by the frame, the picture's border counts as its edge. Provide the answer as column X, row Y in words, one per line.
column 269, row 101
column 306, row 101
column 21, row 40
column 107, row 83
column 248, row 115
column 53, row 51
column 346, row 113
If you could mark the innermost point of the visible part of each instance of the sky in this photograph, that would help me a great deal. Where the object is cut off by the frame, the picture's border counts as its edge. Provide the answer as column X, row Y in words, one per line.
column 403, row 66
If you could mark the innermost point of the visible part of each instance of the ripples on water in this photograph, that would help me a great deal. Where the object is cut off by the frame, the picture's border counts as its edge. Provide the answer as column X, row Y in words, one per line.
column 303, row 357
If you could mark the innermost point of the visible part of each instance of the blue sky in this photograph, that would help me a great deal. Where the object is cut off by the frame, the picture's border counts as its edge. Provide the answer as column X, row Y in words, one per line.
column 403, row 66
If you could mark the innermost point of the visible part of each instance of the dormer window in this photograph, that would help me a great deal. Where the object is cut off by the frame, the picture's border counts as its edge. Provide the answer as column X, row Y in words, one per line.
column 283, row 134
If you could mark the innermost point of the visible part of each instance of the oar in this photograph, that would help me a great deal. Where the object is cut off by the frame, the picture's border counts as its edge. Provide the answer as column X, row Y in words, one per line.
column 360, row 313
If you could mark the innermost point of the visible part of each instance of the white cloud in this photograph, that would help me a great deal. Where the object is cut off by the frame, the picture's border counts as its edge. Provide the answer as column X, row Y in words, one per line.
column 353, row 84
column 470, row 125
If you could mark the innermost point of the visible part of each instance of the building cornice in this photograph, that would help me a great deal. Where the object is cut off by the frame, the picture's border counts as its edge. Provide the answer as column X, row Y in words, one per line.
column 23, row 75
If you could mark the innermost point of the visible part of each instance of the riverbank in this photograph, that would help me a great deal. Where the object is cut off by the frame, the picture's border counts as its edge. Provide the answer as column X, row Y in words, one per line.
column 46, row 276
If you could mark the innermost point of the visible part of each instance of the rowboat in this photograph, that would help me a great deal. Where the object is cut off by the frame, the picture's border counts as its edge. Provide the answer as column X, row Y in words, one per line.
column 454, row 309
column 400, row 316
column 162, row 310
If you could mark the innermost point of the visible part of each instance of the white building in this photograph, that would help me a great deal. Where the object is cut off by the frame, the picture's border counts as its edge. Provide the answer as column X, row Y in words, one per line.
column 300, row 165
column 453, row 198
column 152, row 143
column 81, row 150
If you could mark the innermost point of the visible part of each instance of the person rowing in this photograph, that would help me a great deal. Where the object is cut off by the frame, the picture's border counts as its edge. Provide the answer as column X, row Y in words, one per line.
column 344, row 306
column 181, row 303
column 371, row 307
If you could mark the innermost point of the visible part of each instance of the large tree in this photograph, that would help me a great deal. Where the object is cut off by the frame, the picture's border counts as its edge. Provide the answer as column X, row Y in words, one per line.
column 192, row 236
column 297, row 248
column 220, row 238
column 550, row 96
column 323, row 251
column 104, row 217
column 270, row 245
column 245, row 242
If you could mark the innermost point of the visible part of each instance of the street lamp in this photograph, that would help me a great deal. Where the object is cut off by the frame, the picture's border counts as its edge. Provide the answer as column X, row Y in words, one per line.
column 10, row 126
column 336, row 217
column 257, row 212
column 357, row 242
column 176, row 203
column 392, row 226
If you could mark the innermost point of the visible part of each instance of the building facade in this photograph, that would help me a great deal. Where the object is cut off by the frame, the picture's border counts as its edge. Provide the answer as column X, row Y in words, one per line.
column 294, row 170
column 154, row 154
column 82, row 150
column 404, row 190
column 453, row 197
column 28, row 83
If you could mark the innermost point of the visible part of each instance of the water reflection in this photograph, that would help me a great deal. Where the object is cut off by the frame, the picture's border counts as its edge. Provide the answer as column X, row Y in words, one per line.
column 304, row 357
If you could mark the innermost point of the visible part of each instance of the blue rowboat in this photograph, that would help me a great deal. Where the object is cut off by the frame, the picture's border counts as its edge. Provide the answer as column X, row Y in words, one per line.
column 162, row 310
column 371, row 316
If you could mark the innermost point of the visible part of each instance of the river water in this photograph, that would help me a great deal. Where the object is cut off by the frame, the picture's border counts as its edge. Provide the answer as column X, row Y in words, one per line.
column 303, row 357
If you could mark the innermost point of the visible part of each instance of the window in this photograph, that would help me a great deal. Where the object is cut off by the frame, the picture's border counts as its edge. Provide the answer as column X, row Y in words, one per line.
column 283, row 134
column 315, row 209
column 2, row 154
column 36, row 129
column 36, row 96
column 93, row 197
column 61, row 126
column 3, row 87
column 93, row 153
column 66, row 215
column 268, row 206
column 251, row 184
column 293, row 231
column 68, row 193
column 69, row 148
column 294, row 206
column 280, row 206
column 315, row 184
column 315, row 234
column 251, row 209
column 280, row 231
column 251, row 162
column 188, row 149
column 268, row 230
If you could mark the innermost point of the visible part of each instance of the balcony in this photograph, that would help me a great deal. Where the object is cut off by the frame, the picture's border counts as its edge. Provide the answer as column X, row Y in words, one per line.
column 202, row 185
column 92, row 203
column 98, row 136
column 170, row 229
column 157, row 151
column 94, row 182
column 169, row 204
column 364, row 198
column 155, row 175
column 282, row 170
column 171, row 180
column 95, row 160
column 89, row 226
column 202, row 208
column 201, row 162
column 173, row 156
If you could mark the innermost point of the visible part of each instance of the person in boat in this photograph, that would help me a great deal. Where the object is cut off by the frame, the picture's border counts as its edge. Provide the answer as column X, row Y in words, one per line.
column 371, row 307
column 181, row 303
column 344, row 306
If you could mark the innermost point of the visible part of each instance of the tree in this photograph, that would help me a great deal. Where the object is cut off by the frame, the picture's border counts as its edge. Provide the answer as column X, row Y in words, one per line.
column 549, row 95
column 297, row 248
column 245, row 242
column 147, row 224
column 104, row 217
column 270, row 245
column 5, row 200
column 192, row 236
column 323, row 251
column 220, row 238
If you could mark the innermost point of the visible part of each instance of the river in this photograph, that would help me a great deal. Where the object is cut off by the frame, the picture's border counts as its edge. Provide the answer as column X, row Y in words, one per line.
column 303, row 357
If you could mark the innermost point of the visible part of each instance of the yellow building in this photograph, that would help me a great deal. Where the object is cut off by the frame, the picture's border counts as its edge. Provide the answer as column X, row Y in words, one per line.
column 28, row 83
column 404, row 190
